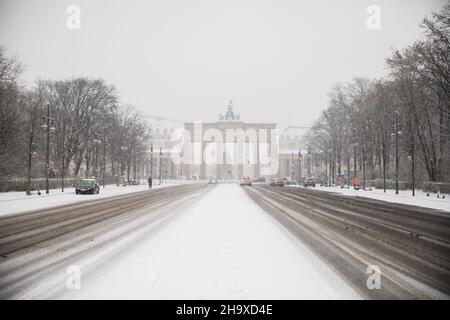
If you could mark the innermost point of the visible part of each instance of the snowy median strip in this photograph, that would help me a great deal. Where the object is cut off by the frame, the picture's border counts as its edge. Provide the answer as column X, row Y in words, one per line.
column 404, row 197
column 15, row 202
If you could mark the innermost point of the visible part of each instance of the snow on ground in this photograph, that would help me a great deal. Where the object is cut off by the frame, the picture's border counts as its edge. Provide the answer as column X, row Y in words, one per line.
column 14, row 202
column 221, row 247
column 404, row 196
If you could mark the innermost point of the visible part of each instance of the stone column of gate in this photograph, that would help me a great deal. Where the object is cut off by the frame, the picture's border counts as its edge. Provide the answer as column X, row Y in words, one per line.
column 196, row 129
column 259, row 141
column 257, row 171
column 222, row 165
column 173, row 168
column 203, row 164
column 225, row 164
column 219, row 158
column 185, row 168
column 240, row 156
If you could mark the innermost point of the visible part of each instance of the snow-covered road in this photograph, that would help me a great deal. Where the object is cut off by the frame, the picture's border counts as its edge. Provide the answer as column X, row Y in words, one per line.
column 222, row 246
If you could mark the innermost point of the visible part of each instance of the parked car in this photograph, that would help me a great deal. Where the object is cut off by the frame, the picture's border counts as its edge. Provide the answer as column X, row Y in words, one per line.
column 87, row 186
column 246, row 181
column 276, row 182
column 309, row 182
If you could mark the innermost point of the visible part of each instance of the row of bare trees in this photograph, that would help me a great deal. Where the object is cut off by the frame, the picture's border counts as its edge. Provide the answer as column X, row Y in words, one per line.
column 91, row 131
column 396, row 125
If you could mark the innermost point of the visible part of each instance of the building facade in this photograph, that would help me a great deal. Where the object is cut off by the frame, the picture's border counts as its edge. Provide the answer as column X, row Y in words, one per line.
column 229, row 148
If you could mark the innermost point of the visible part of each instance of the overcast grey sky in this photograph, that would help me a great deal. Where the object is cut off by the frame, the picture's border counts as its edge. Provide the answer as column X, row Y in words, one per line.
column 184, row 59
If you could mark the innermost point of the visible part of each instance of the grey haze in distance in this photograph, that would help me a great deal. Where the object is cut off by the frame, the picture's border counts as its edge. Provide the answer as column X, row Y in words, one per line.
column 184, row 60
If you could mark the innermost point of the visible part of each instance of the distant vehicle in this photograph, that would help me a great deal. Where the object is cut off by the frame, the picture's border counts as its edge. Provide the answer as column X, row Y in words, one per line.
column 87, row 186
column 291, row 183
column 133, row 182
column 212, row 180
column 246, row 181
column 309, row 182
column 276, row 182
column 260, row 179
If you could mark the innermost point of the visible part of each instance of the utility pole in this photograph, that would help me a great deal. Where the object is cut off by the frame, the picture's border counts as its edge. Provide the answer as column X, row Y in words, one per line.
column 49, row 124
column 299, row 164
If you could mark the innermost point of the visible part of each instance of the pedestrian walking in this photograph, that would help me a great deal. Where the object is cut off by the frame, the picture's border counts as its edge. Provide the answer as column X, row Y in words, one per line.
column 150, row 181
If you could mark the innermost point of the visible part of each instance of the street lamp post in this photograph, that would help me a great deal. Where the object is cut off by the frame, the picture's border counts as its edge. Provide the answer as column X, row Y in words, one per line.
column 97, row 141
column 299, row 164
column 348, row 171
column 364, row 165
column 33, row 152
column 292, row 162
column 122, row 166
column 104, row 161
column 355, row 142
column 309, row 162
column 326, row 168
column 413, row 179
column 397, row 130
column 49, row 124
column 160, row 166
column 151, row 160
column 181, row 164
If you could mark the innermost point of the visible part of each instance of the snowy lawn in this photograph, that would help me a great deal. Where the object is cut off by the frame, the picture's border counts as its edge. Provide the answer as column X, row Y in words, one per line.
column 223, row 246
column 14, row 202
column 404, row 197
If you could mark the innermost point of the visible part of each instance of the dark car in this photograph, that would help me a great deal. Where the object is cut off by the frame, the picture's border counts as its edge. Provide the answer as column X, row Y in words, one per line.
column 260, row 179
column 309, row 182
column 276, row 182
column 87, row 186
